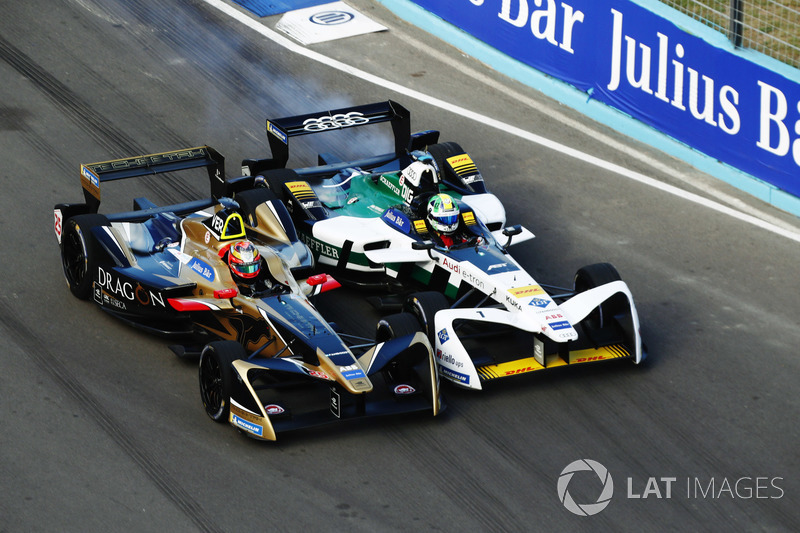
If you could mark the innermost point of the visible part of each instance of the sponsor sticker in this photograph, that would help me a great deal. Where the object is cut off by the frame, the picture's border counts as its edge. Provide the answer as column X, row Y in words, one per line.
column 352, row 372
column 58, row 224
column 455, row 376
column 274, row 409
column 528, row 290
column 539, row 302
column 202, row 268
column 120, row 288
column 336, row 403
column 255, row 429
column 404, row 389
column 448, row 359
column 462, row 164
column 562, row 324
column 397, row 220
column 299, row 188
column 91, row 176
column 331, row 18
column 274, row 130
column 443, row 336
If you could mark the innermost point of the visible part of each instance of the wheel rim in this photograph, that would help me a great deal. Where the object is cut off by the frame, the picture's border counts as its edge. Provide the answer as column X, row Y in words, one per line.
column 211, row 385
column 74, row 257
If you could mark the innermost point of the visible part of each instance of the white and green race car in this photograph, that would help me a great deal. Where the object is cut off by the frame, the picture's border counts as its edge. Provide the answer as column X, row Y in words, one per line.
column 365, row 221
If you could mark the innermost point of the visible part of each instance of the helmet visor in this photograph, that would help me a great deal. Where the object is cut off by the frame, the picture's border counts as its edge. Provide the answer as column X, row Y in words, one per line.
column 447, row 220
column 246, row 268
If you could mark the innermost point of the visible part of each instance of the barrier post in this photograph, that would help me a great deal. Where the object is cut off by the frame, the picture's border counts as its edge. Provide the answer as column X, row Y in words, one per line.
column 735, row 27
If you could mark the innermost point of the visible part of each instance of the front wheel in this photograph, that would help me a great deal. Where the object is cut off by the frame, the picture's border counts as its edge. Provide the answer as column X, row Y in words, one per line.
column 424, row 305
column 80, row 252
column 395, row 326
column 217, row 377
column 595, row 275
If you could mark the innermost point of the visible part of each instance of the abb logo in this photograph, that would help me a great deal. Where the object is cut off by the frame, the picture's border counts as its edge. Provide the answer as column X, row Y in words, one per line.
column 554, row 317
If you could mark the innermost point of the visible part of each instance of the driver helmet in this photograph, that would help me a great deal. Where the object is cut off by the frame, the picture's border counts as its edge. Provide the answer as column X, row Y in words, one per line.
column 443, row 213
column 244, row 260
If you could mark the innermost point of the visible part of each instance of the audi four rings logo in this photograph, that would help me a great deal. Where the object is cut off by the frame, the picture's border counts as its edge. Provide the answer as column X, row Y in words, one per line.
column 330, row 18
column 585, row 509
column 340, row 120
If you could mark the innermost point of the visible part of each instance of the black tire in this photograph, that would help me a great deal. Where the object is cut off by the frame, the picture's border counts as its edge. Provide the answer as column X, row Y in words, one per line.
column 397, row 325
column 592, row 276
column 81, row 253
column 250, row 199
column 440, row 153
column 217, row 377
column 277, row 178
column 424, row 306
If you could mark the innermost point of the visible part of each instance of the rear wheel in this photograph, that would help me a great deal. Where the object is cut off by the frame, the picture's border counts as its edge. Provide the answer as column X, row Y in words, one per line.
column 250, row 199
column 592, row 276
column 277, row 178
column 81, row 253
column 441, row 152
column 217, row 377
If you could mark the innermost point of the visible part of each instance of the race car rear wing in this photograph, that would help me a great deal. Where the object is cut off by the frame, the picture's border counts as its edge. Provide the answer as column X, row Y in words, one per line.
column 93, row 174
column 280, row 130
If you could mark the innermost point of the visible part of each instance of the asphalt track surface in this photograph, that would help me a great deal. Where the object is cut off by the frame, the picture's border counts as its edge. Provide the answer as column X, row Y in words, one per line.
column 103, row 429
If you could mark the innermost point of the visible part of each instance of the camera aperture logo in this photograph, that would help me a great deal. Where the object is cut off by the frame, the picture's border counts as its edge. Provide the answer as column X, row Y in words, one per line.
column 585, row 509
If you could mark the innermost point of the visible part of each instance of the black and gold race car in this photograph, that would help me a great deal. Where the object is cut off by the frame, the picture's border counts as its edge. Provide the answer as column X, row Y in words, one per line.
column 269, row 362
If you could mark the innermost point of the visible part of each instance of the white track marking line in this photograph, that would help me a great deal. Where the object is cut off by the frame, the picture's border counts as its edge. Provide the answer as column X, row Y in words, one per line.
column 290, row 45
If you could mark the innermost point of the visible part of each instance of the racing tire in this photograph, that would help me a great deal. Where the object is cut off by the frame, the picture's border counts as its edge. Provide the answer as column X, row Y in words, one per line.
column 277, row 178
column 424, row 306
column 250, row 199
column 395, row 326
column 440, row 152
column 81, row 253
column 595, row 275
column 217, row 377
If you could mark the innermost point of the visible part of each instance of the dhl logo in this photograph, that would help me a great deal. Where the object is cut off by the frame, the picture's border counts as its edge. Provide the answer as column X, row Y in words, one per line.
column 462, row 164
column 298, row 186
column 588, row 359
column 469, row 218
column 420, row 226
column 522, row 370
column 300, row 189
column 529, row 290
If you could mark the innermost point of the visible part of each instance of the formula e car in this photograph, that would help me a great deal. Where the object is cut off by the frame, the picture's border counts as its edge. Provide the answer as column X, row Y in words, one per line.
column 269, row 362
column 365, row 220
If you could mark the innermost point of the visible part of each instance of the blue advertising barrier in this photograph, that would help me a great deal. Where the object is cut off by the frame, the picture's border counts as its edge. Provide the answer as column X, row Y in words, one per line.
column 640, row 63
